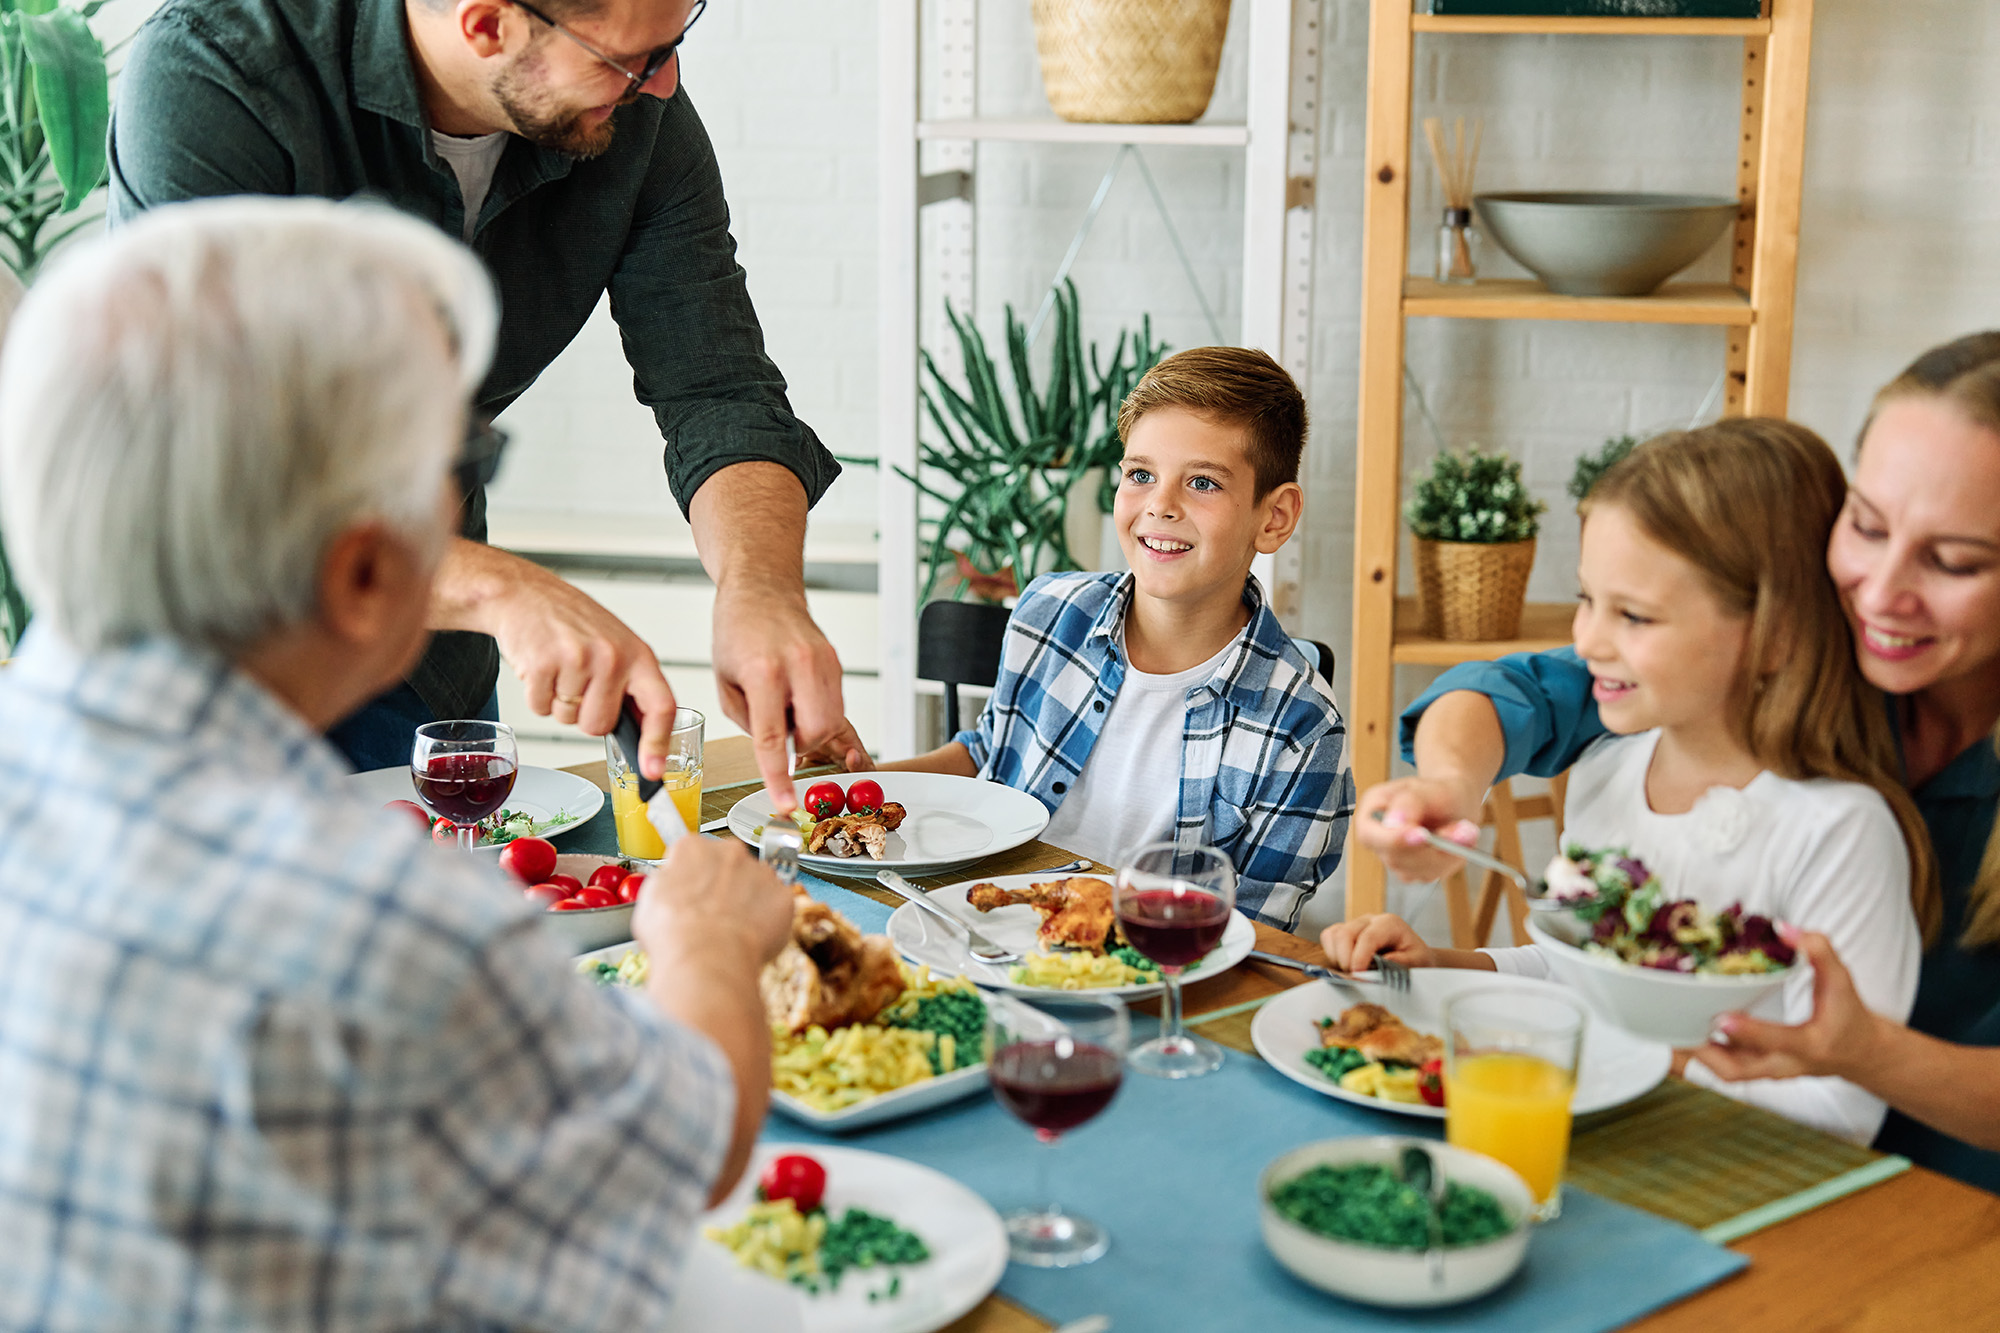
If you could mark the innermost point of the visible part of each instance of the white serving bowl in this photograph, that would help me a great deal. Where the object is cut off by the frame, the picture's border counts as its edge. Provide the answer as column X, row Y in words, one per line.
column 1679, row 1008
column 1379, row 1276
column 592, row 927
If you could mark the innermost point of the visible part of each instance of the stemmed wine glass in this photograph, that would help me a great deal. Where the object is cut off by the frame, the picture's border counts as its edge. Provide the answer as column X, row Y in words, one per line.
column 1174, row 904
column 464, row 771
column 1054, row 1061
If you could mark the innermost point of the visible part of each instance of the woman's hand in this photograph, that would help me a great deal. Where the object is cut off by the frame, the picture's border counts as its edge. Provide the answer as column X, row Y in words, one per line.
column 1352, row 945
column 1835, row 1041
column 1391, row 816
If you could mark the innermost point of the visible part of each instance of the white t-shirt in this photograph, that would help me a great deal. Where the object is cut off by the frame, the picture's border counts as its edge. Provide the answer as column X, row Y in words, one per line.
column 473, row 161
column 1823, row 855
column 1128, row 793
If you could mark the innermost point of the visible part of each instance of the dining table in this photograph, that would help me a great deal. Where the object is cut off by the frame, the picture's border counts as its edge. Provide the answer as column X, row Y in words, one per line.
column 1837, row 1237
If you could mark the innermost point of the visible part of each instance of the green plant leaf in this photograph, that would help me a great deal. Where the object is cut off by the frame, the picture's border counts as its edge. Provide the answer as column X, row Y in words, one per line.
column 72, row 95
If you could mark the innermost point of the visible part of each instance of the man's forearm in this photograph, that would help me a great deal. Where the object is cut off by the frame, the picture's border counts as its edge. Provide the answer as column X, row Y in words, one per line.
column 720, row 1000
column 472, row 579
column 749, row 525
column 951, row 757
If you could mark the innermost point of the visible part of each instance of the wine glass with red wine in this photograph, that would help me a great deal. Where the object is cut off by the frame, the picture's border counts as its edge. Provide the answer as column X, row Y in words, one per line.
column 1174, row 905
column 1054, row 1062
column 464, row 771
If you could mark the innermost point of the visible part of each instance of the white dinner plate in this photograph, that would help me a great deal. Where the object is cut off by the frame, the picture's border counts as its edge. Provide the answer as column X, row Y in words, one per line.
column 921, row 938
column 542, row 793
column 967, row 1242
column 879, row 1109
column 1615, row 1066
column 951, row 822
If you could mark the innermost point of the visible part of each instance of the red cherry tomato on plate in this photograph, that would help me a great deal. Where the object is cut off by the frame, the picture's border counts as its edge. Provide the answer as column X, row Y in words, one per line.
column 864, row 797
column 1430, row 1082
column 570, row 883
column 607, row 876
column 548, row 895
column 569, row 905
column 628, row 888
column 412, row 809
column 530, row 860
column 824, row 800
column 592, row 896
column 444, row 830
column 796, row 1177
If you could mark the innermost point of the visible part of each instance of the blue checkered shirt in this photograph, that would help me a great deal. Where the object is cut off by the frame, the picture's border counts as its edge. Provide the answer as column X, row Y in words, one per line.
column 1264, row 770
column 271, row 1059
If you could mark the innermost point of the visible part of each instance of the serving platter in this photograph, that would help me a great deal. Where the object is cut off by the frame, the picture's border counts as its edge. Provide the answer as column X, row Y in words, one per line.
column 1615, row 1066
column 952, row 821
column 967, row 1242
column 921, row 938
column 542, row 793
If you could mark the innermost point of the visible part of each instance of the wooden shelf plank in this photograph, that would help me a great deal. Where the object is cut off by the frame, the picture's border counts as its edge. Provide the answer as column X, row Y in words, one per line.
column 1574, row 25
column 1519, row 298
column 1068, row 131
column 1544, row 625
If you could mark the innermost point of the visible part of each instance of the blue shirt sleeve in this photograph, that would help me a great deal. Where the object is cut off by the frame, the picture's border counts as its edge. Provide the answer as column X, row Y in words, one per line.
column 1544, row 704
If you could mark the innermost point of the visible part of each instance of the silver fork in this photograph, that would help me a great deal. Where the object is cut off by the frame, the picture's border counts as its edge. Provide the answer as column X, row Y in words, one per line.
column 1388, row 974
column 976, row 944
column 1535, row 891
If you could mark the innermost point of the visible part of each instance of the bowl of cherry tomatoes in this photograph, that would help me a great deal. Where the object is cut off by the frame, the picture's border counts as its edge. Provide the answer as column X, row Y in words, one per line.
column 587, row 899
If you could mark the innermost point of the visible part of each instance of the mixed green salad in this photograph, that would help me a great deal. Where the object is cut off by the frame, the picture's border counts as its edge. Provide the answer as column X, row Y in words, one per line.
column 1632, row 919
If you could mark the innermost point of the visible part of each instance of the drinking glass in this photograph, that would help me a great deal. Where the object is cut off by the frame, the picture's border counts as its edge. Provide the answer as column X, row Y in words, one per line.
column 637, row 838
column 1509, row 1073
column 464, row 771
column 1174, row 904
column 1055, row 1062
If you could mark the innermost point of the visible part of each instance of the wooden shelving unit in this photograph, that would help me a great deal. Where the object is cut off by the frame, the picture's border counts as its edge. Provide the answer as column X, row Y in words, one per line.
column 1754, row 309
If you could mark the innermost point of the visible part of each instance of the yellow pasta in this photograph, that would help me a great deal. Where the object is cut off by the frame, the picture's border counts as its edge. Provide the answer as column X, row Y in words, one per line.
column 774, row 1238
column 830, row 1071
column 1078, row 971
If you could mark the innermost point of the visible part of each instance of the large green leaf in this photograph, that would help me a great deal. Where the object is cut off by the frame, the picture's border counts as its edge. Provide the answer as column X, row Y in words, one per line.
column 73, row 93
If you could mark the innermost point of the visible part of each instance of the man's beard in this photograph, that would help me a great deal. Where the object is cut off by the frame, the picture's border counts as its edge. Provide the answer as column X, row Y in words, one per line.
column 527, row 104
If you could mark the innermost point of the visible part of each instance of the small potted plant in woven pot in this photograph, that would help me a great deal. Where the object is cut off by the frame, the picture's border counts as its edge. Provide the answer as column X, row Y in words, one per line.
column 1473, row 526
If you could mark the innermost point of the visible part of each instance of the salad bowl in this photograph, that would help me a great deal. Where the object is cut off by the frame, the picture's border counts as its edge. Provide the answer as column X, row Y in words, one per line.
column 1679, row 1008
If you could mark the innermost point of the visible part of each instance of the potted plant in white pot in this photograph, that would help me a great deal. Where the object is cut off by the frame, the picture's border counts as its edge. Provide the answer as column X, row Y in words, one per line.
column 55, row 108
column 1472, row 526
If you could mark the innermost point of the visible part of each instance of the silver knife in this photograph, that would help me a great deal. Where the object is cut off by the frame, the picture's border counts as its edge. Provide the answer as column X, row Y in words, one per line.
column 1315, row 971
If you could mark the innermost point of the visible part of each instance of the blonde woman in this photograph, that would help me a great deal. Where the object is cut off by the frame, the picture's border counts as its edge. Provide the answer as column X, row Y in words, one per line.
column 1915, row 560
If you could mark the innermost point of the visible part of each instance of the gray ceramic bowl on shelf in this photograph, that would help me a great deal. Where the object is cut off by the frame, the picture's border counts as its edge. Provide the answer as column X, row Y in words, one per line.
column 1604, row 243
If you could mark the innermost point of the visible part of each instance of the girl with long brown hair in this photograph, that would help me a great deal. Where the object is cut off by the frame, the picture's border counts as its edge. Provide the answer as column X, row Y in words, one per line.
column 1915, row 561
column 1746, row 761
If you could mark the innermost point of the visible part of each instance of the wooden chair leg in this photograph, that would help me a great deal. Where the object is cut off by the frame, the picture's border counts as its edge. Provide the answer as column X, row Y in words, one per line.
column 1458, row 902
column 1558, row 793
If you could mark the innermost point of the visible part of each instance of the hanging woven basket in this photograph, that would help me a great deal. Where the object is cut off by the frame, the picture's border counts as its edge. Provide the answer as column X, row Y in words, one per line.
column 1130, row 61
column 1472, row 591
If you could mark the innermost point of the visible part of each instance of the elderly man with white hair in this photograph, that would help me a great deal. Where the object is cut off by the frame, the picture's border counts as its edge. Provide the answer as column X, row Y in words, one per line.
column 270, row 1058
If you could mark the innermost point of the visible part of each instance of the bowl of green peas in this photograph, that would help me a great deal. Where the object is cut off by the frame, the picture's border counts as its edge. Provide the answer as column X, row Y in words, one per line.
column 1341, row 1215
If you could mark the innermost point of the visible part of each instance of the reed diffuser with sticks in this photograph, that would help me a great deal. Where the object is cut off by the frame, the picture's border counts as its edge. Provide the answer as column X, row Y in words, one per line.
column 1456, row 162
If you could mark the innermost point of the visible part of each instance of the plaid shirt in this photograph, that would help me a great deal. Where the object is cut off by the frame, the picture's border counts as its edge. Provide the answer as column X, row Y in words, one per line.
column 273, row 1060
column 1264, row 771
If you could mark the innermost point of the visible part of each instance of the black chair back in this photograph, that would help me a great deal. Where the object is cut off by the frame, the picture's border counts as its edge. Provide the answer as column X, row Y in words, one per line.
column 1319, row 655
column 958, row 643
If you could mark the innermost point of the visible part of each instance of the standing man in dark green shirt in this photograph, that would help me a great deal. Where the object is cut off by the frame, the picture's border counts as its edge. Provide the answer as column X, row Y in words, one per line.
column 557, row 142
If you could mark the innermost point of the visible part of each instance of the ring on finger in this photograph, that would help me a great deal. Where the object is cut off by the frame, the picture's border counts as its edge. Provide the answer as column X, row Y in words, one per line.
column 565, row 699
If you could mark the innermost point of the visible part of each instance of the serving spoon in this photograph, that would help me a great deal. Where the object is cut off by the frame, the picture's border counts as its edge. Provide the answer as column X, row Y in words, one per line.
column 1420, row 1173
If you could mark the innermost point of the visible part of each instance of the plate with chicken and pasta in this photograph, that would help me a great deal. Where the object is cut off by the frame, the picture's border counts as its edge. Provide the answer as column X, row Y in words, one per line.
column 916, row 824
column 1064, row 928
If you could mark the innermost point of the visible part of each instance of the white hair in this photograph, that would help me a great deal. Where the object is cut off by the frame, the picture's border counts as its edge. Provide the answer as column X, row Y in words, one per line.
column 194, row 407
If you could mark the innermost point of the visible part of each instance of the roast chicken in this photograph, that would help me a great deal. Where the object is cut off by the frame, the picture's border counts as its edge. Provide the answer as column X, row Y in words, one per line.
column 1380, row 1035
column 851, row 835
column 1076, row 913
column 829, row 974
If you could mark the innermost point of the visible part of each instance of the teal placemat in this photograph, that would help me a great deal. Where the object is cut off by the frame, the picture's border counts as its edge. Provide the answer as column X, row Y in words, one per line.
column 1171, row 1169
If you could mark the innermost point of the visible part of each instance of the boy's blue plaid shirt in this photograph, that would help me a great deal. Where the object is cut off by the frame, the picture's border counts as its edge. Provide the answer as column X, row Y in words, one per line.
column 1264, row 770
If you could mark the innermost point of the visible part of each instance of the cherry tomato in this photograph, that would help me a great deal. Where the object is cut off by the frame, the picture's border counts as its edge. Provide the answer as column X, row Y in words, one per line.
column 1430, row 1082
column 607, row 876
column 796, row 1177
column 571, row 885
column 530, row 860
column 864, row 797
column 824, row 800
column 628, row 888
column 592, row 896
column 569, row 905
column 548, row 895
column 411, row 808
column 444, row 831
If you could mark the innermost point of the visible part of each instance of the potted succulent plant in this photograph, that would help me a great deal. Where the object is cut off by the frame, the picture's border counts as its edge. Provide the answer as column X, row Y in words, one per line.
column 55, row 107
column 1473, row 525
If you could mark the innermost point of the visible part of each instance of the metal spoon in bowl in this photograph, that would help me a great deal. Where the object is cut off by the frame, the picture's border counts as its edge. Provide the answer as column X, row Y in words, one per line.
column 1420, row 1173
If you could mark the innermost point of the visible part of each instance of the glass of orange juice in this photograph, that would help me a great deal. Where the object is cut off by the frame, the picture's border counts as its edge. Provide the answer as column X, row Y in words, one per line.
column 637, row 838
column 1509, row 1073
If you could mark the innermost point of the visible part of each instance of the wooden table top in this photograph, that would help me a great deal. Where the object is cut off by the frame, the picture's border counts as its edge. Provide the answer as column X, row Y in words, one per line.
column 1919, row 1250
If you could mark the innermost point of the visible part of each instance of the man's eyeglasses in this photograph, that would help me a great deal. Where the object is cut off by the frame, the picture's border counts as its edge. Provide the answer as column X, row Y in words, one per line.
column 656, row 60
column 479, row 457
